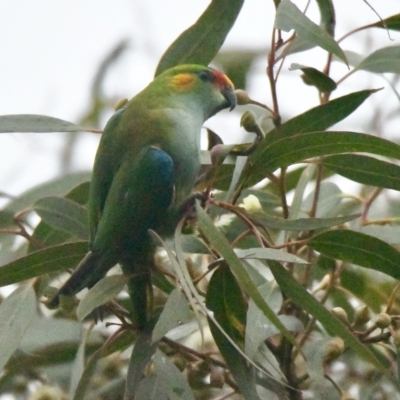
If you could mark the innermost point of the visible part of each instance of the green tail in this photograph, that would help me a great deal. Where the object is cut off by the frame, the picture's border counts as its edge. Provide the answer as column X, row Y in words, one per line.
column 140, row 292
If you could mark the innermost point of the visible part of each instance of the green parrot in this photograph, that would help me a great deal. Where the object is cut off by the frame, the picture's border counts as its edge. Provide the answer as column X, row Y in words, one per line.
column 143, row 177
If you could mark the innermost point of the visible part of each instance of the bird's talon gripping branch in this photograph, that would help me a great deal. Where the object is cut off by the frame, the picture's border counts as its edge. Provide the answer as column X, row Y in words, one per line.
column 188, row 209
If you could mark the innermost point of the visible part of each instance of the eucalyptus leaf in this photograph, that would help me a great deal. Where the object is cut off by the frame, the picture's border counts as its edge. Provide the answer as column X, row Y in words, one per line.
column 269, row 254
column 382, row 60
column 16, row 314
column 306, row 176
column 316, row 119
column 256, row 322
column 360, row 249
column 320, row 117
column 56, row 187
column 392, row 23
column 64, row 214
column 300, row 224
column 387, row 233
column 288, row 17
column 328, row 17
column 104, row 290
column 328, row 22
column 176, row 385
column 330, row 198
column 365, row 170
column 200, row 43
column 142, row 353
column 192, row 244
column 78, row 368
column 220, row 242
column 52, row 259
column 45, row 332
column 151, row 388
column 36, row 123
column 316, row 78
column 7, row 219
column 297, row 148
column 308, row 303
column 225, row 300
column 176, row 312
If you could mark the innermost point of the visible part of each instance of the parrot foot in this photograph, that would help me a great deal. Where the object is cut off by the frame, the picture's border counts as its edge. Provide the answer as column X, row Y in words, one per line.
column 187, row 210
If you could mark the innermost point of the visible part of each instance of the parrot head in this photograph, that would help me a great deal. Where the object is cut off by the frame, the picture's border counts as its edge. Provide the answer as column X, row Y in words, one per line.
column 200, row 85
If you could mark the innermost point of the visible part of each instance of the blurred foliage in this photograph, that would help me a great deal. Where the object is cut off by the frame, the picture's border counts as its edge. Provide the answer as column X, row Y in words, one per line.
column 300, row 277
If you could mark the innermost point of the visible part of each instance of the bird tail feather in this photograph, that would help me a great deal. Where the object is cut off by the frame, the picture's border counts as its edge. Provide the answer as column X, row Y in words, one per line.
column 89, row 271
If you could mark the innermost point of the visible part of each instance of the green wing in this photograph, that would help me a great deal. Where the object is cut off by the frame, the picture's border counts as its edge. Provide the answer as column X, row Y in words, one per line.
column 138, row 200
column 108, row 160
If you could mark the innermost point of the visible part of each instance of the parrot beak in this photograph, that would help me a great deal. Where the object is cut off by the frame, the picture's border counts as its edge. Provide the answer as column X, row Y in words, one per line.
column 229, row 95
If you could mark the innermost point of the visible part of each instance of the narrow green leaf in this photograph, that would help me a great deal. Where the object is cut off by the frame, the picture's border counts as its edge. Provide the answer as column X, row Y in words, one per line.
column 317, row 119
column 87, row 374
column 288, row 17
column 321, row 117
column 192, row 244
column 220, row 242
column 388, row 233
column 328, row 18
column 48, row 236
column 392, row 23
column 65, row 215
column 161, row 282
column 239, row 166
column 16, row 314
column 176, row 385
column 142, row 353
column 307, row 302
column 259, row 328
column 46, row 332
column 46, row 356
column 178, row 263
column 236, row 64
column 365, row 170
column 269, row 254
column 151, row 388
column 104, row 290
column 78, row 367
column 57, row 187
column 36, row 123
column 42, row 262
column 225, row 299
column 359, row 249
column 313, row 77
column 329, row 199
column 382, row 60
column 305, row 178
column 294, row 149
column 176, row 312
column 200, row 43
column 327, row 23
column 257, row 324
column 6, row 219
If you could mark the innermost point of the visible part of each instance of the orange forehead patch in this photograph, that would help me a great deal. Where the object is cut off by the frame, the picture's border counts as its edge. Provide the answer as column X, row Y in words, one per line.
column 182, row 82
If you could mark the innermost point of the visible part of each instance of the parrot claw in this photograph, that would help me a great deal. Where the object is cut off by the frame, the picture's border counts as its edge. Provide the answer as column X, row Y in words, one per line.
column 187, row 210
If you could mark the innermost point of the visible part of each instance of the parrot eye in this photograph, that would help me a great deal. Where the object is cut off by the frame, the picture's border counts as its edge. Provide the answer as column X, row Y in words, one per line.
column 206, row 76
